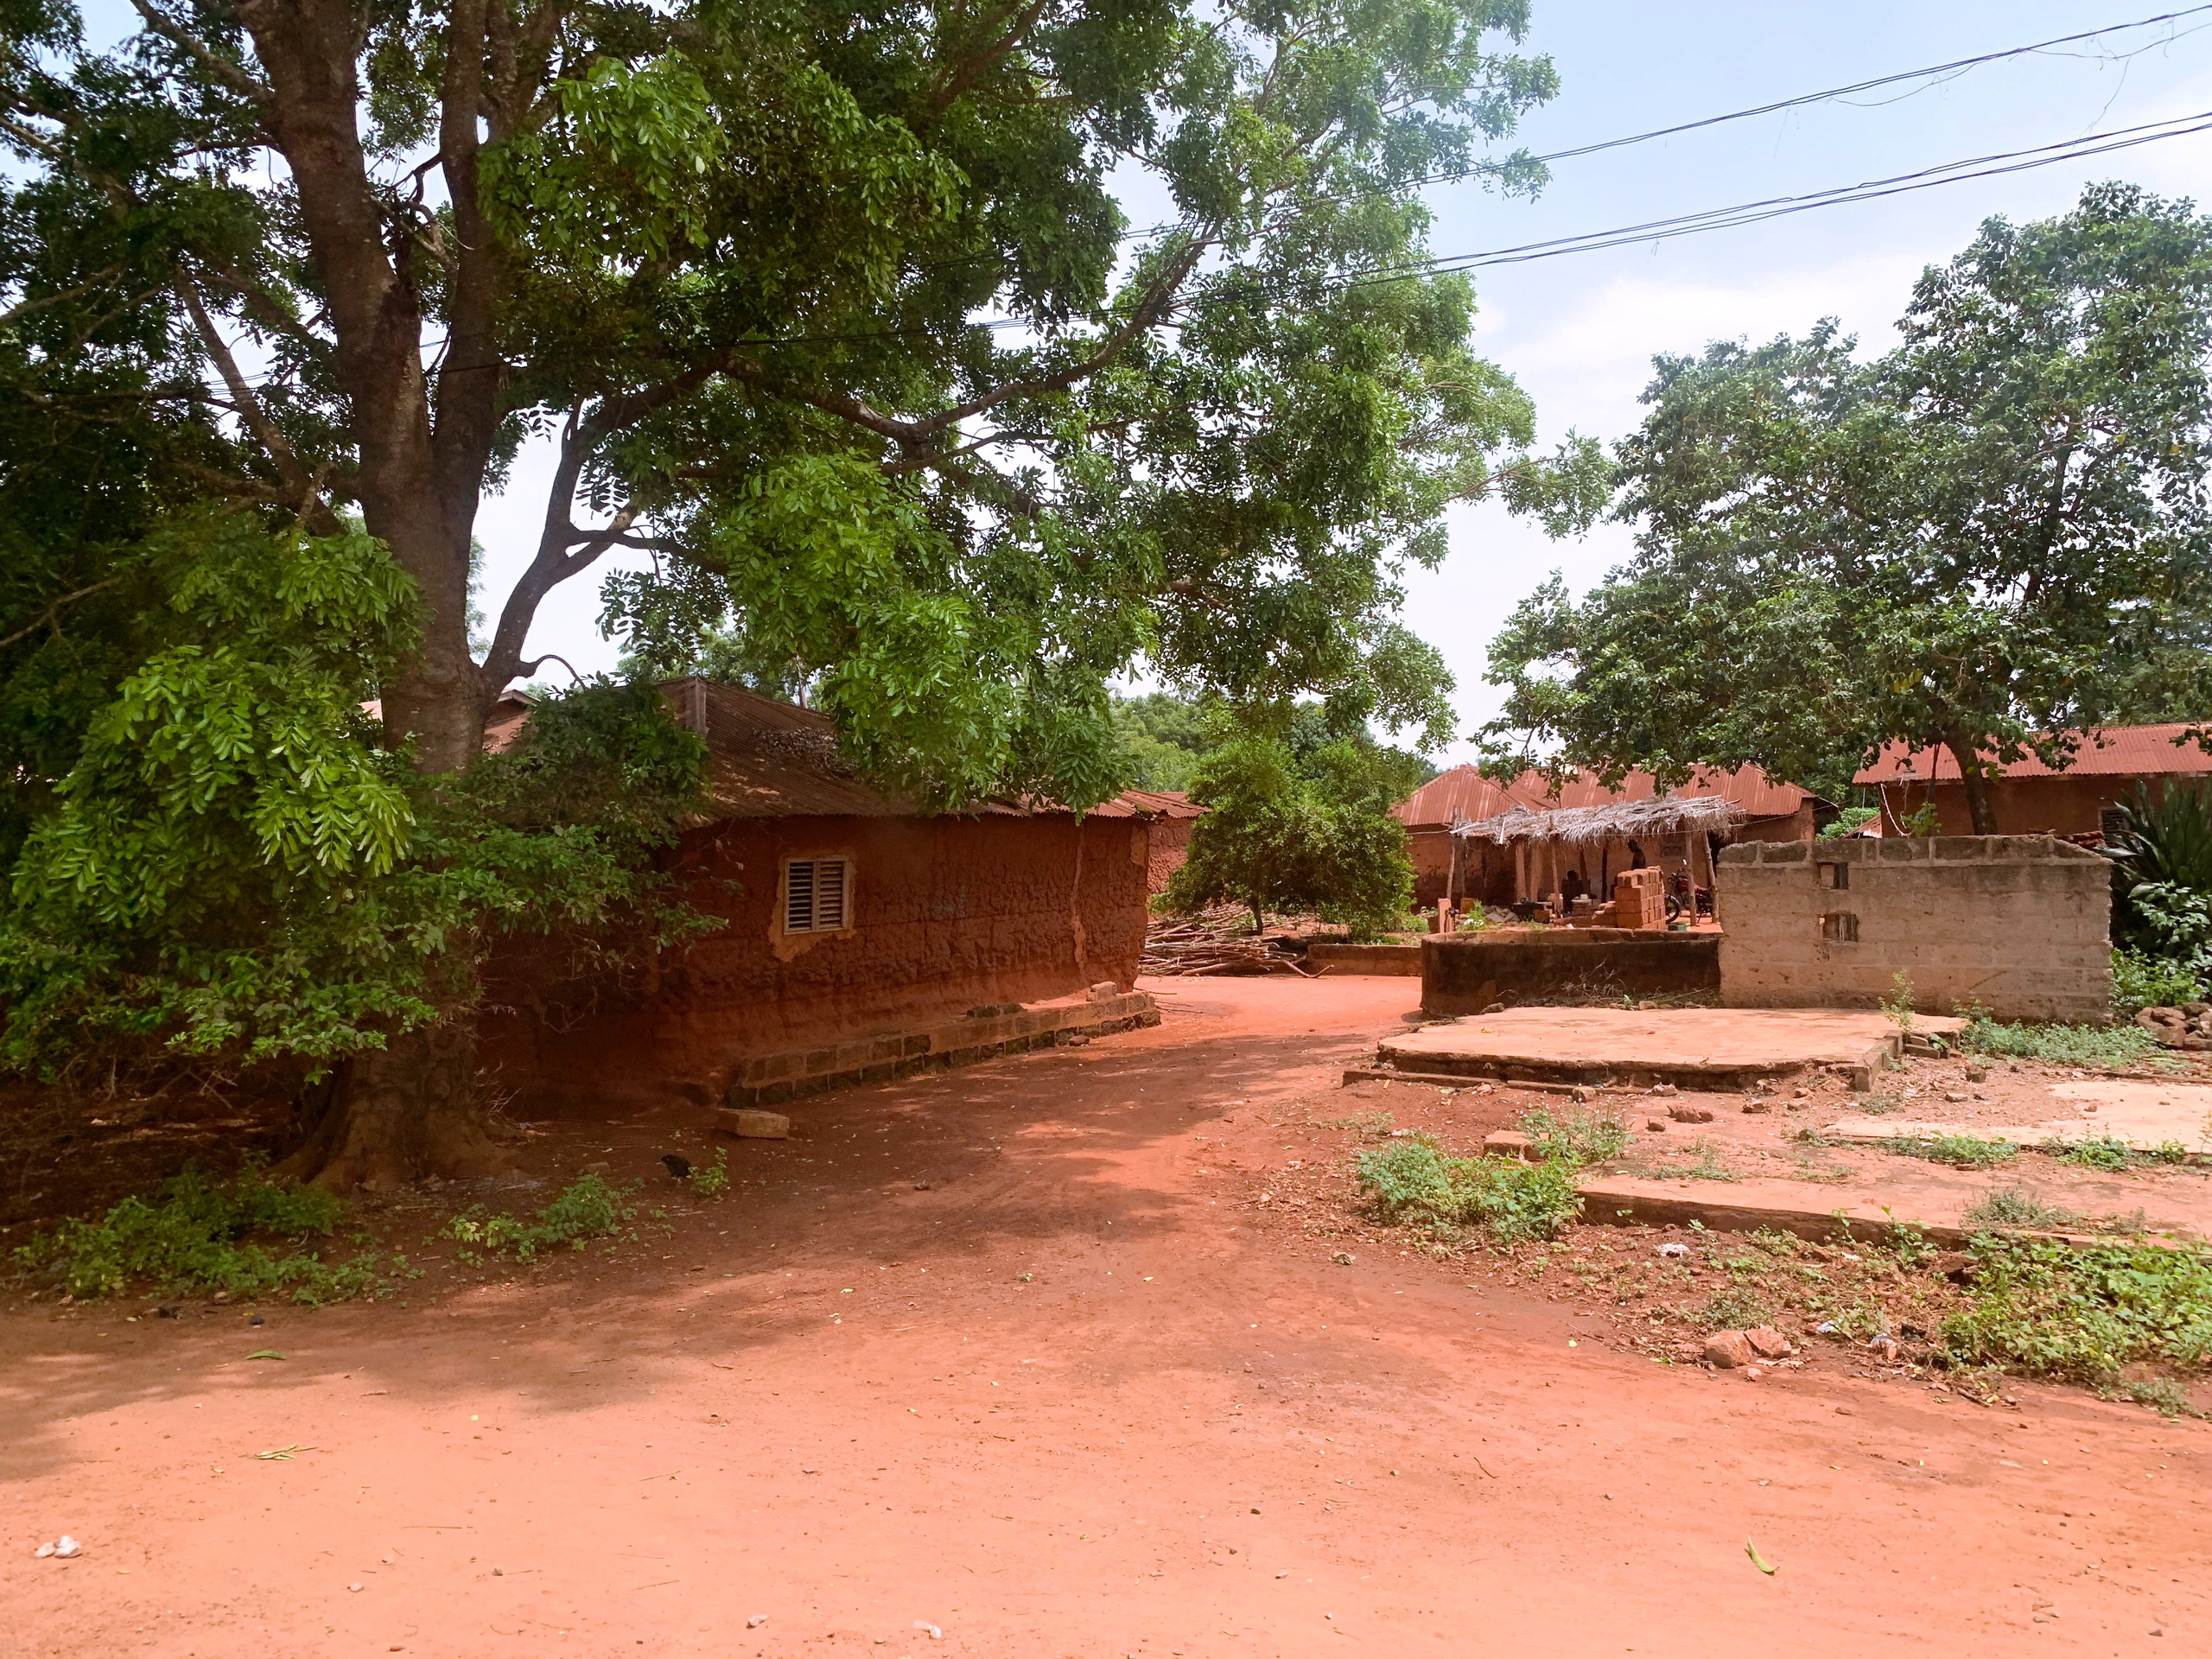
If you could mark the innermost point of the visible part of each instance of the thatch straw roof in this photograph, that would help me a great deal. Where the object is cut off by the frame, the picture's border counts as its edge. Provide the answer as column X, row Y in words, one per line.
column 1669, row 815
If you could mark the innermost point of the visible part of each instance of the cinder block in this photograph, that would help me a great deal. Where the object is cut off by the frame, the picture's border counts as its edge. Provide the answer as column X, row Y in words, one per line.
column 754, row 1125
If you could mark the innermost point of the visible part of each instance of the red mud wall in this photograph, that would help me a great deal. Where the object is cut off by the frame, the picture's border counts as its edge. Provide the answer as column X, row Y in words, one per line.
column 947, row 913
column 1170, row 850
column 2024, row 806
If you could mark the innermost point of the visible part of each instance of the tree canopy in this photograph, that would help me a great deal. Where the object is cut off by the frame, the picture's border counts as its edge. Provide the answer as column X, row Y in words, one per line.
column 837, row 329
column 1299, row 820
column 1993, row 536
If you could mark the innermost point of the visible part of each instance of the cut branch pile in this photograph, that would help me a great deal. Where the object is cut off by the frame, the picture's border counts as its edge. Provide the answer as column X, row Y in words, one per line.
column 1213, row 941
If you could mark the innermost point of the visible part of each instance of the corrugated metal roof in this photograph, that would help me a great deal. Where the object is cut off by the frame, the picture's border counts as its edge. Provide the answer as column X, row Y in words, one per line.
column 1167, row 803
column 1463, row 795
column 770, row 760
column 2116, row 752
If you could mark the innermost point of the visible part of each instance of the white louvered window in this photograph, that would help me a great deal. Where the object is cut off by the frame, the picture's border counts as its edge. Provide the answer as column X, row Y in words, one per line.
column 817, row 895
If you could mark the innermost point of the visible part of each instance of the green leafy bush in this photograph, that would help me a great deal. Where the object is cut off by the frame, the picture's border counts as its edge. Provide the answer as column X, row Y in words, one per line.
column 710, row 1180
column 2083, row 1314
column 1413, row 1183
column 588, row 1208
column 197, row 1236
column 2140, row 982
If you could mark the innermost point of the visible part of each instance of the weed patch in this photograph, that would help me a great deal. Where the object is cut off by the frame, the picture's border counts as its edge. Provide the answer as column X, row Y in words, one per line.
column 1960, row 1151
column 1578, row 1137
column 586, row 1209
column 197, row 1236
column 2103, row 1045
column 2014, row 1206
column 1416, row 1184
column 710, row 1180
column 2043, row 1306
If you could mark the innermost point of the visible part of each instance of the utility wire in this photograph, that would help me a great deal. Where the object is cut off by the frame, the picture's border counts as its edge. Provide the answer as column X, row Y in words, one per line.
column 1956, row 66
column 1750, row 213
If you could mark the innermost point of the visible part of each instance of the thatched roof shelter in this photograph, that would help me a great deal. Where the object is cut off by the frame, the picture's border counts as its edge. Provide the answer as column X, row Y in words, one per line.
column 1667, row 815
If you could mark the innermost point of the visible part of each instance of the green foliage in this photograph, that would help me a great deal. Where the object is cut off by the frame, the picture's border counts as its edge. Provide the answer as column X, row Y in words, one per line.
column 1738, row 1308
column 2140, row 981
column 588, row 1207
column 712, row 1180
column 1163, row 737
column 233, row 868
column 1898, row 1005
column 748, row 271
column 1988, row 539
column 2083, row 1314
column 2014, row 1206
column 1299, row 821
column 2061, row 1045
column 1849, row 821
column 198, row 1235
column 1575, row 1137
column 1961, row 1151
column 1412, row 1183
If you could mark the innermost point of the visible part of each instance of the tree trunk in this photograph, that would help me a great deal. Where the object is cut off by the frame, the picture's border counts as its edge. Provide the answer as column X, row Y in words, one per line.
column 406, row 1111
column 409, row 1109
column 1979, row 811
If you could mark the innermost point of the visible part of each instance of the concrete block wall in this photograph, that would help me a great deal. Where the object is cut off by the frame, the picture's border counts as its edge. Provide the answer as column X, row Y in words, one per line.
column 2021, row 925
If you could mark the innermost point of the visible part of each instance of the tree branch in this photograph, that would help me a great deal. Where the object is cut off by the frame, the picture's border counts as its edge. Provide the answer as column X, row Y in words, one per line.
column 965, row 75
column 307, row 498
column 50, row 616
column 231, row 75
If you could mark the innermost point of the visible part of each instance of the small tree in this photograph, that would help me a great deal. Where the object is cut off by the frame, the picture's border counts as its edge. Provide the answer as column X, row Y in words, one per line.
column 1300, row 827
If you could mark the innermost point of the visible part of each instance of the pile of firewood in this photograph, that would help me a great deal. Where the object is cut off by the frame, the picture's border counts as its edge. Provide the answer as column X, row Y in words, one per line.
column 1218, row 941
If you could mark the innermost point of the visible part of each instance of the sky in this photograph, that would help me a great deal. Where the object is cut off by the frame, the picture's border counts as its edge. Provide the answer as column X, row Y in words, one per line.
column 1579, row 332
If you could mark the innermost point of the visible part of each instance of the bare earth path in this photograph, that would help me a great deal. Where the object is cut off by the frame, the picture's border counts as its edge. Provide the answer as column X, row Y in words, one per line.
column 1074, row 1396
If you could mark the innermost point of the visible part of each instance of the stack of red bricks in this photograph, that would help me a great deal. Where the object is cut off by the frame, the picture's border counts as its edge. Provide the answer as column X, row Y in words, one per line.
column 1639, row 899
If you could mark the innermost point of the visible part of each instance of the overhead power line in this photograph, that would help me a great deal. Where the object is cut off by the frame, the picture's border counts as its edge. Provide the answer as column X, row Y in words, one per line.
column 1750, row 213
column 1956, row 66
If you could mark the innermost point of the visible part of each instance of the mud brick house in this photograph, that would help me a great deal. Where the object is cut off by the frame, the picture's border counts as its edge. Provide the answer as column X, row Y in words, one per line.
column 2031, row 798
column 864, row 938
column 1172, row 817
column 1528, row 840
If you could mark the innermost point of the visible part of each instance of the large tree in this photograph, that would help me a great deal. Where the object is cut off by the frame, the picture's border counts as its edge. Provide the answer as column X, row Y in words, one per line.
column 829, row 313
column 1987, row 540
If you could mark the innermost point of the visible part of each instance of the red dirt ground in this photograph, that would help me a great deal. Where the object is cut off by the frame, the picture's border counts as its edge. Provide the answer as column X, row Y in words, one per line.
column 1074, row 1396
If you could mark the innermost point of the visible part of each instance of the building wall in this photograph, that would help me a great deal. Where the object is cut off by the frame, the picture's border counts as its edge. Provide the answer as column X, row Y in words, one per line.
column 2019, row 923
column 2063, row 805
column 1467, row 972
column 1169, row 848
column 948, row 914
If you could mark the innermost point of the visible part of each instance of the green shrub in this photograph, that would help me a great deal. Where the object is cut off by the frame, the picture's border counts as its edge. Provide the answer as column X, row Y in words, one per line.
column 2100, row 1152
column 1578, row 1137
column 2140, row 980
column 2114, row 1045
column 2041, row 1305
column 1961, row 1151
column 1413, row 1183
column 197, row 1236
column 587, row 1208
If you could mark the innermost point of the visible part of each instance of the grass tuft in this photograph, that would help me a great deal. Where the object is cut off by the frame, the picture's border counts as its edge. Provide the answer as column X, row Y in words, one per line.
column 1578, row 1137
column 2014, row 1206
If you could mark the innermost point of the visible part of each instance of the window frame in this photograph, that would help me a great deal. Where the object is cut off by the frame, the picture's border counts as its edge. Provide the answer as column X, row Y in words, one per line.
column 813, row 862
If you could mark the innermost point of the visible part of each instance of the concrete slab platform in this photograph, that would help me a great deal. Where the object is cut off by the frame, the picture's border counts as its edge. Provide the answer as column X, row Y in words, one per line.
column 1692, row 1048
column 2144, row 1114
